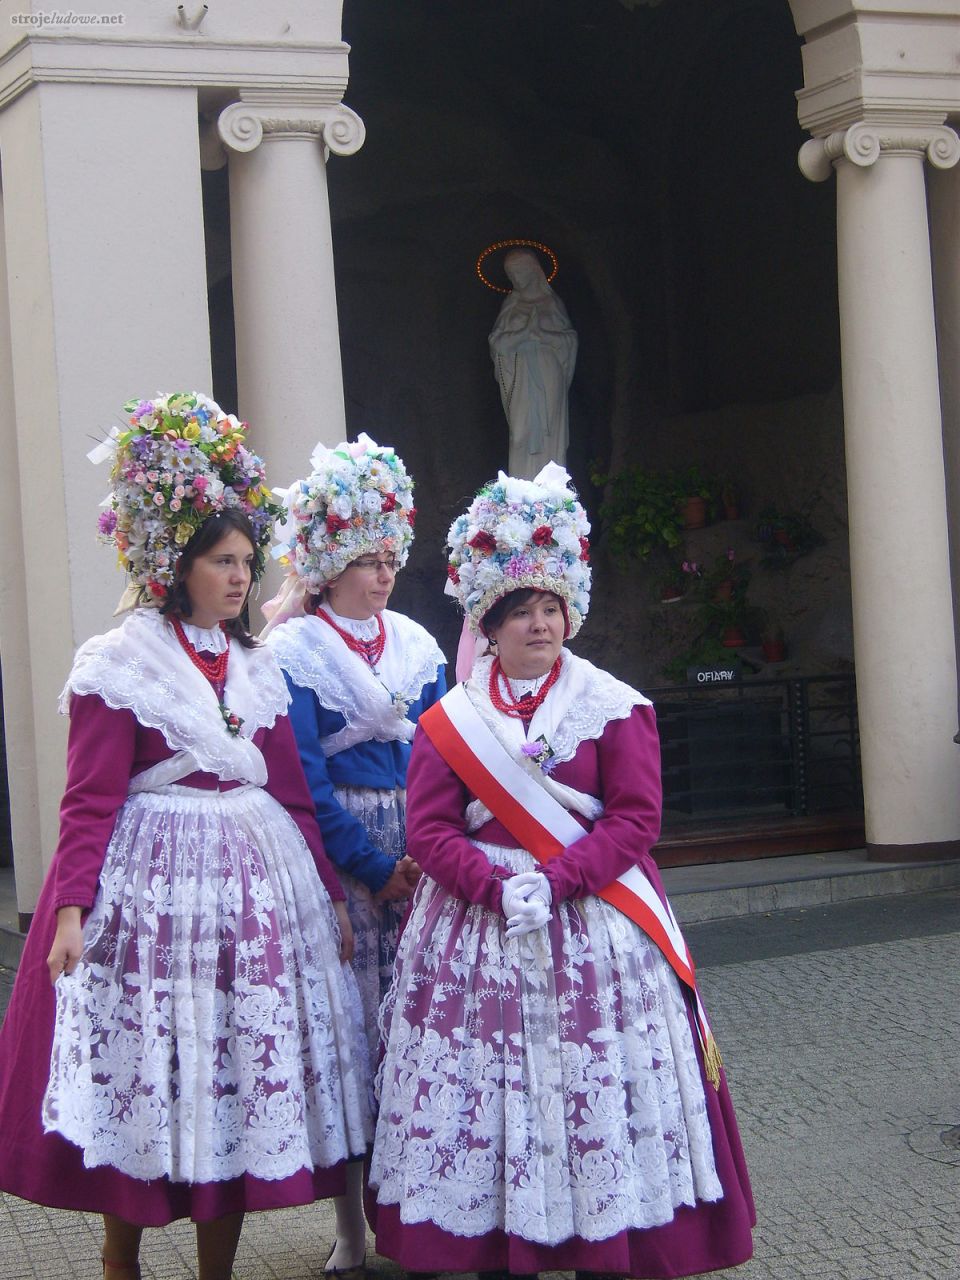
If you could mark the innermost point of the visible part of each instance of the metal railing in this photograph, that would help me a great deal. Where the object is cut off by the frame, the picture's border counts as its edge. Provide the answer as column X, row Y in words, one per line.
column 766, row 747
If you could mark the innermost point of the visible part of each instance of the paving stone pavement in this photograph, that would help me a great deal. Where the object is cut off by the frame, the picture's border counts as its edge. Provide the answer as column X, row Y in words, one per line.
column 842, row 1059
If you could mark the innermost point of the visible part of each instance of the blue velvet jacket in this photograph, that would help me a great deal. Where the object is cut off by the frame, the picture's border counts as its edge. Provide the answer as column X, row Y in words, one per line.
column 382, row 765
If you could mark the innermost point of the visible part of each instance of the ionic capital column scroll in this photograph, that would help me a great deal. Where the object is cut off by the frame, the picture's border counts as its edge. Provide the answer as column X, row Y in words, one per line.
column 243, row 125
column 863, row 144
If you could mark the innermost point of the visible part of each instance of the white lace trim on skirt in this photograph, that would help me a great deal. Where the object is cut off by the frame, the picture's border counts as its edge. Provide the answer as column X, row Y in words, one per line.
column 210, row 1029
column 546, row 1086
column 376, row 925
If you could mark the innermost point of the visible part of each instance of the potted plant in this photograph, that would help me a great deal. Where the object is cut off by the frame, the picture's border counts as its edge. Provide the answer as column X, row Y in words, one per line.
column 705, row 651
column 673, row 584
column 733, row 622
column 786, row 535
column 639, row 513
column 729, row 500
column 727, row 579
column 695, row 497
column 773, row 643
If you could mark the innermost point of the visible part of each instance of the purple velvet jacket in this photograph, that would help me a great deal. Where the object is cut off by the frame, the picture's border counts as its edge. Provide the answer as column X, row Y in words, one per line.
column 621, row 767
column 107, row 748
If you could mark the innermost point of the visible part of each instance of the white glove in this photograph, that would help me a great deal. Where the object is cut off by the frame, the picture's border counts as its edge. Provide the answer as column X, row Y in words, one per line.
column 526, row 902
column 518, row 889
column 534, row 914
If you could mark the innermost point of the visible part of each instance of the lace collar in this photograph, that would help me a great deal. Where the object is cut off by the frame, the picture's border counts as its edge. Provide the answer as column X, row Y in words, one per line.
column 374, row 706
column 205, row 639
column 520, row 685
column 141, row 667
column 577, row 708
column 361, row 628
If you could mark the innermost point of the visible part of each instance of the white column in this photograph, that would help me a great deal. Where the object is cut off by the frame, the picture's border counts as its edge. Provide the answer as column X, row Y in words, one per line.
column 903, row 621
column 290, row 380
column 103, row 230
column 15, row 656
column 945, row 238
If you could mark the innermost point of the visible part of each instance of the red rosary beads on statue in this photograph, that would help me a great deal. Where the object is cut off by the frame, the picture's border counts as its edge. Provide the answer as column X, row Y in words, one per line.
column 520, row 708
column 370, row 650
column 215, row 669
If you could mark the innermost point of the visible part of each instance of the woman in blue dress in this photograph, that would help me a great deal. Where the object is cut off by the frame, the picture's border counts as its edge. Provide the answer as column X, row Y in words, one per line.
column 359, row 675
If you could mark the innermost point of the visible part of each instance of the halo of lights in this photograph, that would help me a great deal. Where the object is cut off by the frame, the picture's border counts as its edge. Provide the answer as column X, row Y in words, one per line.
column 515, row 244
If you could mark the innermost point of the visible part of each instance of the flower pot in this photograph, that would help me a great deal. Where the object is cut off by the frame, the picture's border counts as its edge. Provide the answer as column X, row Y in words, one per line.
column 784, row 539
column 694, row 512
column 724, row 590
column 731, row 511
column 670, row 594
column 733, row 638
column 774, row 650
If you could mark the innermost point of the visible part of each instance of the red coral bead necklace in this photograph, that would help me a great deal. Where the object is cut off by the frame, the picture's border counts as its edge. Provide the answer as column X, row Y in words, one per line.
column 525, row 707
column 214, row 668
column 371, row 651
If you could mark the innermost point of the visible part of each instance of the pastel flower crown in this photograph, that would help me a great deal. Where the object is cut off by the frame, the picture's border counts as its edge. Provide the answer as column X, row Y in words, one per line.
column 357, row 500
column 522, row 533
column 180, row 460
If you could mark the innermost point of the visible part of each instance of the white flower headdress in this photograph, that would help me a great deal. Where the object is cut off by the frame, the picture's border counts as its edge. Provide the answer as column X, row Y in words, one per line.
column 357, row 500
column 179, row 460
column 522, row 533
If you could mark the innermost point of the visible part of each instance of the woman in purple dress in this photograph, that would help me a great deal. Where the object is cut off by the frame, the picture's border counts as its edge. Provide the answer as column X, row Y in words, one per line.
column 184, row 1037
column 551, row 1098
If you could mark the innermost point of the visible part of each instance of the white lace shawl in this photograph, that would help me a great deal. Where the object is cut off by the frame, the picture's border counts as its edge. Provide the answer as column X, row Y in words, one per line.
column 141, row 667
column 577, row 709
column 316, row 658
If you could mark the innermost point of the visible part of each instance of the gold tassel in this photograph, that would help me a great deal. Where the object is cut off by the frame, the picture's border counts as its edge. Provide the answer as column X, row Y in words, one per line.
column 712, row 1061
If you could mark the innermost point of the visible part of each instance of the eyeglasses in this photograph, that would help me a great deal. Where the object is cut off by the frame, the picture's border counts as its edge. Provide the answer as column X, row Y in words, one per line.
column 390, row 563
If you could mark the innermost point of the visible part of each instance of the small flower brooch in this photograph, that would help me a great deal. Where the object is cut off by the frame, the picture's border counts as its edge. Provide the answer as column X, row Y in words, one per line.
column 539, row 752
column 232, row 721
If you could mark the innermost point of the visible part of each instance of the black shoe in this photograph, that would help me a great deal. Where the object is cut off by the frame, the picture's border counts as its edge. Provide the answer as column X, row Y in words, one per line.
column 507, row 1275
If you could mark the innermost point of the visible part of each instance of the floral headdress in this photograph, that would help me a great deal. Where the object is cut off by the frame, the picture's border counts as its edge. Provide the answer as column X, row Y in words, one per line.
column 357, row 500
column 522, row 533
column 179, row 460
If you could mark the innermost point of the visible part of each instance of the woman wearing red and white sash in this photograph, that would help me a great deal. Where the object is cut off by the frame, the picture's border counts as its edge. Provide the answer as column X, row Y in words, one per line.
column 545, row 1100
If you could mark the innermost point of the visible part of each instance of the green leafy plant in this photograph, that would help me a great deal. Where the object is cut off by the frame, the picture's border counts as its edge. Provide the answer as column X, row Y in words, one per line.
column 729, row 495
column 785, row 536
column 727, row 578
column 639, row 513
column 719, row 616
column 673, row 582
column 691, row 482
column 706, row 651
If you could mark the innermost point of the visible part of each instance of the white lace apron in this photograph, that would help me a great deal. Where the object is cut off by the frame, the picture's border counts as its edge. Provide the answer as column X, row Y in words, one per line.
column 210, row 1030
column 546, row 1086
column 376, row 925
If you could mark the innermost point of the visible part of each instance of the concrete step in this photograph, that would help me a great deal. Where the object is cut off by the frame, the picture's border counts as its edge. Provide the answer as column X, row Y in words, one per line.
column 721, row 890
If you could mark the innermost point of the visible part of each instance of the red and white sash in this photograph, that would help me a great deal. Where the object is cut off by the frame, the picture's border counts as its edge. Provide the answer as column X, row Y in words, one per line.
column 543, row 826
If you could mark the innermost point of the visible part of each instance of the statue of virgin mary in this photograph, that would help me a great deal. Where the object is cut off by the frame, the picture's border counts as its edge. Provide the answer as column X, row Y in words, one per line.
column 534, row 349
